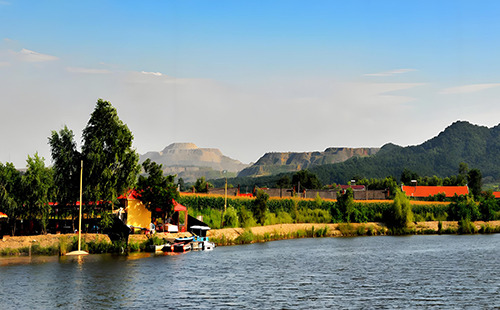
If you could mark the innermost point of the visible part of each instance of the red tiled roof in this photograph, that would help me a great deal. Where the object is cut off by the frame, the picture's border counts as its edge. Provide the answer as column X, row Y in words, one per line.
column 426, row 191
column 496, row 194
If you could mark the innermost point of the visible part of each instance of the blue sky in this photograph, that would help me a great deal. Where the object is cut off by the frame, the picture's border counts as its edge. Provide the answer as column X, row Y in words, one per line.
column 248, row 77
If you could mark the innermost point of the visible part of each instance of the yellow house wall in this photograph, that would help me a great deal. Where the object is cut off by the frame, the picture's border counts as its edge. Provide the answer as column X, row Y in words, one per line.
column 137, row 214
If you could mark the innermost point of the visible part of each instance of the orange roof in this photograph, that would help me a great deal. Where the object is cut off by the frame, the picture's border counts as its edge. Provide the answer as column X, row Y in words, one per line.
column 426, row 191
column 496, row 194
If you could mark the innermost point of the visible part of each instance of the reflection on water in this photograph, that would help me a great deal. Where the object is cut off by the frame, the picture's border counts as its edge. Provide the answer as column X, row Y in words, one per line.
column 365, row 272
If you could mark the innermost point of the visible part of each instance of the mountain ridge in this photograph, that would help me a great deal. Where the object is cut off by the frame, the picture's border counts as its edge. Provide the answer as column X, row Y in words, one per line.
column 279, row 162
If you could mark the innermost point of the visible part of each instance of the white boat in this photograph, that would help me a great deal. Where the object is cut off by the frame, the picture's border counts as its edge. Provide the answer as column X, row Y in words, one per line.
column 208, row 246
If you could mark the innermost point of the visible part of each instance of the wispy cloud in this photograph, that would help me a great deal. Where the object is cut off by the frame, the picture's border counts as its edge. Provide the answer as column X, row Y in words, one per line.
column 88, row 71
column 4, row 3
column 4, row 64
column 31, row 56
column 152, row 73
column 390, row 73
column 467, row 88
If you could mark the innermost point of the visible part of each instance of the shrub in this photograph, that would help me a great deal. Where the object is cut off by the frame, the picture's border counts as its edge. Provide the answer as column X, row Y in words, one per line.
column 246, row 237
column 346, row 229
column 465, row 226
column 360, row 231
column 246, row 218
column 401, row 214
column 231, row 217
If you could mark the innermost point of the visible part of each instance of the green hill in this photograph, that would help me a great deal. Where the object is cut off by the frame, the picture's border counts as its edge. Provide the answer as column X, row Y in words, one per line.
column 477, row 146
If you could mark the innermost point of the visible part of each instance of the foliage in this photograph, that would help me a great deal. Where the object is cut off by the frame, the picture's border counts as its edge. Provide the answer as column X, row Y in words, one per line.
column 246, row 237
column 230, row 217
column 345, row 201
column 284, row 182
column 156, row 191
column 464, row 207
column 401, row 213
column 11, row 193
column 260, row 206
column 474, row 182
column 246, row 218
column 306, row 179
column 37, row 183
column 201, row 185
column 66, row 166
column 106, row 220
column 181, row 184
column 465, row 226
column 110, row 163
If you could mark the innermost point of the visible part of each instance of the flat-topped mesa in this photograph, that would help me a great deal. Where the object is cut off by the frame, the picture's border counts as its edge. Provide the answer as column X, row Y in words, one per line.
column 276, row 162
column 180, row 146
column 181, row 158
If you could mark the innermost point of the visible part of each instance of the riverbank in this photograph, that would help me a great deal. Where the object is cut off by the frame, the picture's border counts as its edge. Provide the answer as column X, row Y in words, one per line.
column 230, row 236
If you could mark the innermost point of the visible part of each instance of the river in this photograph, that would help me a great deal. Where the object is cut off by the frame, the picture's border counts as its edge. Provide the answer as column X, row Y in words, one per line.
column 414, row 272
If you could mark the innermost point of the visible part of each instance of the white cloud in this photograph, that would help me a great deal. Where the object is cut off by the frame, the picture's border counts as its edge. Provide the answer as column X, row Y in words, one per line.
column 467, row 88
column 89, row 71
column 153, row 73
column 390, row 73
column 7, row 40
column 31, row 56
column 4, row 3
column 4, row 64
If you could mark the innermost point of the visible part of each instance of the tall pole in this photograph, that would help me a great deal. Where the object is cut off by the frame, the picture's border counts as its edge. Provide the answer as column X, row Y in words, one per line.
column 80, row 217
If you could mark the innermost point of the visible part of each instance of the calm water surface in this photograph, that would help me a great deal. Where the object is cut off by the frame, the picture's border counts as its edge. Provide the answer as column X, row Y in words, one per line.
column 414, row 272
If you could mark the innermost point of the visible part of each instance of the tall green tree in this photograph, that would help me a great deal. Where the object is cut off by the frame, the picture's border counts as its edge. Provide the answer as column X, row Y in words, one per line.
column 345, row 202
column 307, row 180
column 201, row 185
column 401, row 213
column 11, row 194
column 474, row 181
column 110, row 163
column 156, row 190
column 37, row 184
column 66, row 166
column 260, row 208
column 284, row 182
column 181, row 184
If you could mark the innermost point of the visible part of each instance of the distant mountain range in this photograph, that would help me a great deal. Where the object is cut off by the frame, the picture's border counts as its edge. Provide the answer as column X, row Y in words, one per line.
column 477, row 146
column 274, row 163
column 191, row 162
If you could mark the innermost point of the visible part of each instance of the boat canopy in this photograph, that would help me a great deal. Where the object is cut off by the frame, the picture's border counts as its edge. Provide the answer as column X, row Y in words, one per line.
column 200, row 227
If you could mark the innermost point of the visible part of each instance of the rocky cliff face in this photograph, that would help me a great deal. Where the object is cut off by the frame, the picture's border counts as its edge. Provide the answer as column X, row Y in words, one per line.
column 274, row 163
column 190, row 162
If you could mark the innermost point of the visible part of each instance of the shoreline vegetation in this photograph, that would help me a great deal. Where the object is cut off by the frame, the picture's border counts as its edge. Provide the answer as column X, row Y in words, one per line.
column 97, row 243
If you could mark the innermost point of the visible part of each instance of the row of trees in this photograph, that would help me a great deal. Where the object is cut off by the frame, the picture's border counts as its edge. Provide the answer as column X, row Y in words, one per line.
column 26, row 195
column 110, row 168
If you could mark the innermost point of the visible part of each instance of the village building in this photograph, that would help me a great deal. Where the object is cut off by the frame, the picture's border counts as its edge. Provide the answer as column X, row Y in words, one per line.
column 426, row 191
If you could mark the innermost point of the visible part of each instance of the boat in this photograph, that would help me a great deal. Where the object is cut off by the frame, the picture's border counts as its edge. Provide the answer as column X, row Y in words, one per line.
column 208, row 246
column 181, row 247
column 184, row 239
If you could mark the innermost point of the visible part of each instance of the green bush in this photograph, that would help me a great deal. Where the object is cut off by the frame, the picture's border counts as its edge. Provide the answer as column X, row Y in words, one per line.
column 246, row 218
column 465, row 226
column 231, row 218
column 246, row 237
column 361, row 230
